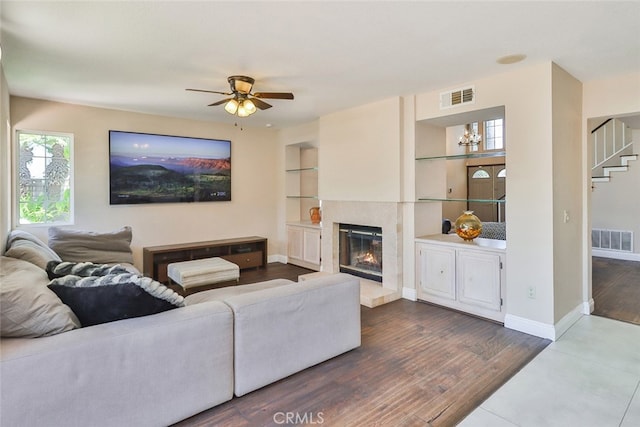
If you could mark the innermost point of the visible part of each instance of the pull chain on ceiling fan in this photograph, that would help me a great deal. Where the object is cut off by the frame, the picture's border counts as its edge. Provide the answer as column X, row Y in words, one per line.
column 243, row 103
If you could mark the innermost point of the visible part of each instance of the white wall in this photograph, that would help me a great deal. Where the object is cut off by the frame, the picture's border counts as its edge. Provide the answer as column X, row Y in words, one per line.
column 360, row 153
column 568, row 183
column 5, row 162
column 255, row 177
column 615, row 96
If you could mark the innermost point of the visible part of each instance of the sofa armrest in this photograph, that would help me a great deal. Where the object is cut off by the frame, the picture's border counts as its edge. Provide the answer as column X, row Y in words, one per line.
column 152, row 370
column 286, row 329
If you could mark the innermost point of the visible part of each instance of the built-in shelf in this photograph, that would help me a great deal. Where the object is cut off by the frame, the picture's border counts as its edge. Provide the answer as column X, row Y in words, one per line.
column 444, row 199
column 303, row 197
column 465, row 156
column 302, row 169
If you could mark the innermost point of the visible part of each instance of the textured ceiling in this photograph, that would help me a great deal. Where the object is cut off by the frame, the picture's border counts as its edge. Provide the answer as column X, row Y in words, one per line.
column 140, row 56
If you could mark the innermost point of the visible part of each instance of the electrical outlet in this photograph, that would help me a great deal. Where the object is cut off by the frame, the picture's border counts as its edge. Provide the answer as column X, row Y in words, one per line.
column 531, row 292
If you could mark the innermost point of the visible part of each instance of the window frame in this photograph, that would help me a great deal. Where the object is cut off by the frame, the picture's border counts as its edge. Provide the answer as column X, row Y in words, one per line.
column 16, row 178
column 485, row 133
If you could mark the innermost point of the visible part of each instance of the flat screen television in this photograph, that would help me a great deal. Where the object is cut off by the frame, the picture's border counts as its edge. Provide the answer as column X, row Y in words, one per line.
column 148, row 168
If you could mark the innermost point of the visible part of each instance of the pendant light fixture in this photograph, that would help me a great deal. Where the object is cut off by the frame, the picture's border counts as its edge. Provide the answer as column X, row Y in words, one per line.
column 471, row 137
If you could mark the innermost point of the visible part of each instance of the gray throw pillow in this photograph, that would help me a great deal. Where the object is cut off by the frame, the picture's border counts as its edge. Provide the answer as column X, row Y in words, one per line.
column 99, row 248
column 29, row 309
column 31, row 247
column 27, row 250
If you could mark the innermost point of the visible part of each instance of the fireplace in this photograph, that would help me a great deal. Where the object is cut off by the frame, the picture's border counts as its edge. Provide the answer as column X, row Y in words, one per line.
column 360, row 251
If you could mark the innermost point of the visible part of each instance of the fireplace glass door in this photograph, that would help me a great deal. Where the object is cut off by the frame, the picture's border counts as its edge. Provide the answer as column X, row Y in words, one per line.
column 361, row 251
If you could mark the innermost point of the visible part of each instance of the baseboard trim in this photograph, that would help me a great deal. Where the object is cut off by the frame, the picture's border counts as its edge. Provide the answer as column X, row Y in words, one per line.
column 410, row 294
column 625, row 256
column 544, row 330
column 588, row 307
column 276, row 258
column 528, row 326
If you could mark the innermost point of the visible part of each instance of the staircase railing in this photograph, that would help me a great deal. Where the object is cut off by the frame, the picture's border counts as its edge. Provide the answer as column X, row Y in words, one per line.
column 610, row 138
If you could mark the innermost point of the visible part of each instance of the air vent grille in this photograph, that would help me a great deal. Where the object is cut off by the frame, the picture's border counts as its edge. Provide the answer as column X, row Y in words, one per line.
column 613, row 240
column 457, row 97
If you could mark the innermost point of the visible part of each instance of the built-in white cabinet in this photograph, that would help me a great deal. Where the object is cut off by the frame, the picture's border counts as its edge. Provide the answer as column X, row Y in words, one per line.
column 303, row 245
column 466, row 276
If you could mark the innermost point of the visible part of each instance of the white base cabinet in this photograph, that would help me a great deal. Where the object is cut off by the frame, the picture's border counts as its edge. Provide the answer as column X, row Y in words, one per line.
column 466, row 276
column 303, row 245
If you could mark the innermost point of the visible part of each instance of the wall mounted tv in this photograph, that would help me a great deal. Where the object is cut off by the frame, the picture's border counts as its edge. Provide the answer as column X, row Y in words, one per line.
column 147, row 168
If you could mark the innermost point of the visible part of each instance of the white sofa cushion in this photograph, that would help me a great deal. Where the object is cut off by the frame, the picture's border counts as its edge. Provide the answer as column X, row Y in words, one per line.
column 285, row 329
column 228, row 291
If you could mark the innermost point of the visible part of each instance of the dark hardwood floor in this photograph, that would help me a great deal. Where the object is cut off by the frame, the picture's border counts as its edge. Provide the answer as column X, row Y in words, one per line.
column 616, row 289
column 418, row 365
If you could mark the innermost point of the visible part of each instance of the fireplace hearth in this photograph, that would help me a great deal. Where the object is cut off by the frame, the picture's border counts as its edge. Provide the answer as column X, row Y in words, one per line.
column 360, row 251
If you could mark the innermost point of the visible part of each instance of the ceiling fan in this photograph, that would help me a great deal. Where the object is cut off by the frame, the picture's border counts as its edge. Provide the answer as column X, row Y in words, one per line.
column 243, row 103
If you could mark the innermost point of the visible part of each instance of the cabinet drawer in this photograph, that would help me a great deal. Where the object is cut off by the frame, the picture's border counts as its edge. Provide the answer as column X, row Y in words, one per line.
column 246, row 260
column 169, row 257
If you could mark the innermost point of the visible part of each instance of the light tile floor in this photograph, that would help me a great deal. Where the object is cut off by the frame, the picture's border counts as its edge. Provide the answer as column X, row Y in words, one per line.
column 588, row 377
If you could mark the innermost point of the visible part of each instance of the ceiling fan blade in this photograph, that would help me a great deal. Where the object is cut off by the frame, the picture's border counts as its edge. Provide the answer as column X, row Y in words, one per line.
column 260, row 104
column 274, row 95
column 210, row 91
column 222, row 101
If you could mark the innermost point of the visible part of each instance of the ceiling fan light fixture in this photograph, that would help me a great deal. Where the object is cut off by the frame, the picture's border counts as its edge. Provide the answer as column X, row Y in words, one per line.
column 243, row 103
column 241, row 84
column 232, row 106
column 249, row 106
column 244, row 110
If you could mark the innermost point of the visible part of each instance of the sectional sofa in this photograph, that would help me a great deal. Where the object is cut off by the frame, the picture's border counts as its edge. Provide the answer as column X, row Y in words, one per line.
column 158, row 369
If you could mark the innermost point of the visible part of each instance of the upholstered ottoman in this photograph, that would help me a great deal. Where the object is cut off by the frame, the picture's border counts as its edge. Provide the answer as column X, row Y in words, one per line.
column 200, row 272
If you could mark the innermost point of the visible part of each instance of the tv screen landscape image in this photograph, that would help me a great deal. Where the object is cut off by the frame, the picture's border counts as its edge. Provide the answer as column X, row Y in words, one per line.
column 148, row 168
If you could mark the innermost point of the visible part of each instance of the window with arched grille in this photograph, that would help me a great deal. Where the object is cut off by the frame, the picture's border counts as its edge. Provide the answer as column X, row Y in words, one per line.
column 481, row 174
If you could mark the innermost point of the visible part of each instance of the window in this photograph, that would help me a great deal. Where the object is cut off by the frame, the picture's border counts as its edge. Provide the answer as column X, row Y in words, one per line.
column 493, row 135
column 480, row 174
column 44, row 181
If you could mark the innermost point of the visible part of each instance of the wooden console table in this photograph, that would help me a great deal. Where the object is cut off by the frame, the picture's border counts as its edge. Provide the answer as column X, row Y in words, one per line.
column 246, row 252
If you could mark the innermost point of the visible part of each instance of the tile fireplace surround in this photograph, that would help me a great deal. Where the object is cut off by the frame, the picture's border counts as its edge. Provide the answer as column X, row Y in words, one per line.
column 387, row 215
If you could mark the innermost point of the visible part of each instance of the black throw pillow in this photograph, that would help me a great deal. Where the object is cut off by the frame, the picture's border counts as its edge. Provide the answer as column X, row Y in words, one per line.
column 96, row 300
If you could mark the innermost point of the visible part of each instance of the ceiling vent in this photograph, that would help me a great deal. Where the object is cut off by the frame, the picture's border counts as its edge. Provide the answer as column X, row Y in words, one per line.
column 457, row 97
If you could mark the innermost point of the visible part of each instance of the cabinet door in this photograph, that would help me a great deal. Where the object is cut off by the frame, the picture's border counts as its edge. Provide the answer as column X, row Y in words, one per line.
column 478, row 279
column 311, row 245
column 295, row 245
column 436, row 271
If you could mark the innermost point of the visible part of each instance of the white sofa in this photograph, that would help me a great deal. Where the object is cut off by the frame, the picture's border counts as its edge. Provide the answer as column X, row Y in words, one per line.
column 159, row 369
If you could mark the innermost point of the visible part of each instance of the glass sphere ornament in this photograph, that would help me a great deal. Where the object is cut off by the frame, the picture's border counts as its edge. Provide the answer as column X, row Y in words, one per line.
column 468, row 226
